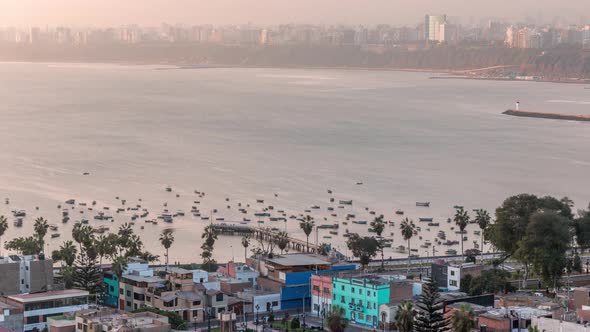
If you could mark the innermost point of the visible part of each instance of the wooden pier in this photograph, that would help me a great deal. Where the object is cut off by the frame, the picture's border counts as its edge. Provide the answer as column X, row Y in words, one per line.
column 265, row 234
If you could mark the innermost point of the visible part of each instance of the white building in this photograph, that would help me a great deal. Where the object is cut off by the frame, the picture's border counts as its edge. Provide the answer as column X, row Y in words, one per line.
column 139, row 267
column 454, row 278
column 266, row 301
column 432, row 27
column 39, row 306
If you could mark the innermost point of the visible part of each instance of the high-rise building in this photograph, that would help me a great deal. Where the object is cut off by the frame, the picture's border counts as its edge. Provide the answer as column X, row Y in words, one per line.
column 432, row 25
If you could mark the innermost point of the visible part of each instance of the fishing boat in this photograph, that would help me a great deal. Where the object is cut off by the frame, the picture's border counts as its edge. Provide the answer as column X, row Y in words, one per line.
column 451, row 252
column 345, row 202
column 54, row 235
column 53, row 227
column 18, row 222
column 399, row 212
column 433, row 224
column 334, row 232
column 424, row 204
column 359, row 222
column 426, row 219
column 19, row 213
column 168, row 189
column 71, row 201
column 401, row 249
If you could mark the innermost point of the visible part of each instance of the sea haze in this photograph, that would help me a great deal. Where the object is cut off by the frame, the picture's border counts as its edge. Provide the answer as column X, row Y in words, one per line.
column 248, row 134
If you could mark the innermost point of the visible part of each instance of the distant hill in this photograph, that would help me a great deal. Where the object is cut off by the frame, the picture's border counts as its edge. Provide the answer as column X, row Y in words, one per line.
column 556, row 63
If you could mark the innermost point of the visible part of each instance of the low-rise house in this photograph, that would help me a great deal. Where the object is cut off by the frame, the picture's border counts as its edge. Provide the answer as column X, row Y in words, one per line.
column 62, row 323
column 265, row 300
column 39, row 306
column 134, row 282
column 448, row 276
column 11, row 317
column 241, row 272
column 110, row 281
column 290, row 275
column 178, row 293
column 510, row 318
column 361, row 296
column 321, row 294
column 111, row 320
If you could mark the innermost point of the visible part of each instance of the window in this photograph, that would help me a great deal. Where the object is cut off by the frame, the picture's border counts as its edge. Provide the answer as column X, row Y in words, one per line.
column 22, row 281
column 361, row 303
column 129, row 293
column 111, row 289
column 196, row 302
column 148, row 298
column 219, row 297
column 121, row 291
column 128, row 303
column 342, row 300
column 369, row 319
column 275, row 303
column 352, row 290
column 452, row 273
column 361, row 291
column 32, row 320
column 453, row 283
column 169, row 304
column 79, row 326
column 368, row 305
column 316, row 307
column 342, row 287
column 316, row 288
column 361, row 316
column 138, row 297
column 326, row 290
column 352, row 301
column 333, row 296
column 374, row 293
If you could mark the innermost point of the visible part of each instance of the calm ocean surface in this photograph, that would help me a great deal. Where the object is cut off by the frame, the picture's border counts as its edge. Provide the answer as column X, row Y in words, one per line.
column 248, row 134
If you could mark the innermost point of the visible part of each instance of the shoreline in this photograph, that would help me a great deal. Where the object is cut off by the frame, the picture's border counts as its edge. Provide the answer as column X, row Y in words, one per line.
column 452, row 74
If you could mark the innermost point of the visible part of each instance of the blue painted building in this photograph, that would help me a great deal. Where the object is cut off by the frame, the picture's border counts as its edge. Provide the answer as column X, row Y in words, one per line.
column 291, row 276
column 111, row 289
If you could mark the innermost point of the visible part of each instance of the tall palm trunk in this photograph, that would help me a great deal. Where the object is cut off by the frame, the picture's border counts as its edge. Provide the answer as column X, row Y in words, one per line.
column 409, row 256
column 245, row 254
column 307, row 244
column 462, row 255
column 167, row 259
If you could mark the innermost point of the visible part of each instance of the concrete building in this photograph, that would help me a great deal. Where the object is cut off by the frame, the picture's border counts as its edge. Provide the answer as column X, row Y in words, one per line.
column 119, row 321
column 178, row 293
column 581, row 297
column 290, row 276
column 432, row 25
column 40, row 306
column 509, row 319
column 361, row 296
column 265, row 300
column 11, row 317
column 448, row 276
column 63, row 323
column 134, row 282
column 241, row 272
column 110, row 281
column 25, row 274
column 321, row 294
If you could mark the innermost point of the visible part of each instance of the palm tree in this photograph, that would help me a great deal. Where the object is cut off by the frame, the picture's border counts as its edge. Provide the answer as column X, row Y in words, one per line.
column 67, row 252
column 125, row 232
column 463, row 319
column 282, row 240
column 3, row 228
column 245, row 244
column 461, row 220
column 377, row 226
column 534, row 329
column 408, row 229
column 307, row 225
column 82, row 234
column 404, row 317
column 166, row 239
column 483, row 219
column 335, row 319
column 41, row 228
column 119, row 265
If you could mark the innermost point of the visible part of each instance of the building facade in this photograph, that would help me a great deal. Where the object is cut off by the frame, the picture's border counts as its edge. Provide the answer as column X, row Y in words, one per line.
column 360, row 297
column 111, row 320
column 321, row 294
column 25, row 274
column 40, row 306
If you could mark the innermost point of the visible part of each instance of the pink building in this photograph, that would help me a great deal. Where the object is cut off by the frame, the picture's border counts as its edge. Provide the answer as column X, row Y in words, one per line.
column 239, row 271
column 321, row 294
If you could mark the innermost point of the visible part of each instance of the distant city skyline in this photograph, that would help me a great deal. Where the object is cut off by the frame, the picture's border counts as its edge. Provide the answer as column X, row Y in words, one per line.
column 403, row 12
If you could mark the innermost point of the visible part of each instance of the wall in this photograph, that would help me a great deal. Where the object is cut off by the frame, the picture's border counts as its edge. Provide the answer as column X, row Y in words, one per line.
column 40, row 275
column 554, row 325
column 454, row 278
column 10, row 280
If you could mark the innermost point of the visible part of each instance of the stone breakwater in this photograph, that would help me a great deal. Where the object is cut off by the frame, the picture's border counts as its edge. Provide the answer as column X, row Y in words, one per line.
column 554, row 116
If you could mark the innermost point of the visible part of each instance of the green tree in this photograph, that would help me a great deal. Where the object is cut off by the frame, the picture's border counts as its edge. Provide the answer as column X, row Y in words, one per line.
column 209, row 236
column 125, row 234
column 87, row 275
column 512, row 219
column 545, row 245
column 307, row 225
column 488, row 282
column 166, row 239
column 577, row 263
column 408, row 229
column 29, row 245
column 533, row 329
column 378, row 226
column 41, row 226
column 335, row 320
column 461, row 220
column 3, row 229
column 404, row 317
column 245, row 244
column 363, row 248
column 483, row 219
column 464, row 319
column 282, row 240
column 430, row 316
column 67, row 276
column 582, row 231
column 82, row 234
column 67, row 253
column 119, row 265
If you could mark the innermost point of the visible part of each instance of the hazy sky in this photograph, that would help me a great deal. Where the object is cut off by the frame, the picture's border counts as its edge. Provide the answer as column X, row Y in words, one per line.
column 154, row 12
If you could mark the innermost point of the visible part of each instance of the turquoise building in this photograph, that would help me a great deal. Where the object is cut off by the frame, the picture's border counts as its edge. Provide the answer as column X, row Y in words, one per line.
column 111, row 289
column 360, row 297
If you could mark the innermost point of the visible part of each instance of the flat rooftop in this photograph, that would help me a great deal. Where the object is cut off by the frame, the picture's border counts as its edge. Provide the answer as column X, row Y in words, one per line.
column 53, row 295
column 137, row 278
column 523, row 312
column 298, row 260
